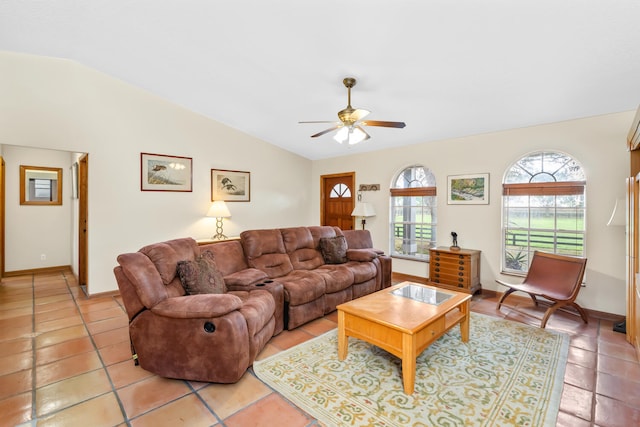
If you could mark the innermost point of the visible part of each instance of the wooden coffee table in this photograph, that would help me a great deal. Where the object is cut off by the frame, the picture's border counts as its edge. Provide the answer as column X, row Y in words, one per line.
column 403, row 320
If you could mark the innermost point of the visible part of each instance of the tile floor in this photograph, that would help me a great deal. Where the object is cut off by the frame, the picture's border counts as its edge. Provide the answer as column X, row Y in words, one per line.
column 65, row 361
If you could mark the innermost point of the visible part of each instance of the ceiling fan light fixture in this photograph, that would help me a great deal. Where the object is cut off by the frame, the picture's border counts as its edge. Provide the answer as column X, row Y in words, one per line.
column 351, row 134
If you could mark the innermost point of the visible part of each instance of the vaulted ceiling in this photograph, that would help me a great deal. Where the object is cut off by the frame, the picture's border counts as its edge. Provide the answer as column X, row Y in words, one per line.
column 447, row 68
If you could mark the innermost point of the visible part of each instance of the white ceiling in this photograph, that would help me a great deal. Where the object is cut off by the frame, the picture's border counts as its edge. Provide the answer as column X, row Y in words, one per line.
column 447, row 68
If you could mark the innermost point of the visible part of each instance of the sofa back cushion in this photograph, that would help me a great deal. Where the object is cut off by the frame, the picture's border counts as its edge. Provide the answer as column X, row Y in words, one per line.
column 229, row 256
column 300, row 247
column 264, row 250
column 166, row 255
column 358, row 239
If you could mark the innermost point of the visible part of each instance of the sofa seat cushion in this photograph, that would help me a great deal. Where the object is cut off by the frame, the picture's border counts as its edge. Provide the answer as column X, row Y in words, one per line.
column 258, row 308
column 201, row 276
column 302, row 286
column 245, row 277
column 362, row 271
column 336, row 277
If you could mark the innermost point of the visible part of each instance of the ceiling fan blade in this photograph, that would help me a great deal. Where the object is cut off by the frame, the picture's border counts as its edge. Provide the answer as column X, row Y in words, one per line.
column 383, row 124
column 359, row 114
column 365, row 132
column 326, row 131
column 319, row 121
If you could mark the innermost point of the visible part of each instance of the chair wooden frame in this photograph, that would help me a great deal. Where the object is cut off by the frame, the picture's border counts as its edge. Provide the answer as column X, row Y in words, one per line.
column 557, row 278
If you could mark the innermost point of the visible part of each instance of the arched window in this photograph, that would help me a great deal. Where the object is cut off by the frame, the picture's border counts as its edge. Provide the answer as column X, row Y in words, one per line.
column 340, row 190
column 543, row 209
column 413, row 213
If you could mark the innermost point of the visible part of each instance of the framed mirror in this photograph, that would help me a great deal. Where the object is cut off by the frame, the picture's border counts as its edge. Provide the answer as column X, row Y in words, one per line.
column 40, row 185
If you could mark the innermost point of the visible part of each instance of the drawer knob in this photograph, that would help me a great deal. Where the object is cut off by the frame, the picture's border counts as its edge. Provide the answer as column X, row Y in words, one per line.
column 461, row 262
column 461, row 268
column 460, row 274
column 437, row 269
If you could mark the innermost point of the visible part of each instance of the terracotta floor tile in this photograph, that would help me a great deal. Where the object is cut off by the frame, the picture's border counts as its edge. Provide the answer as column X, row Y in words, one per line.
column 97, row 412
column 618, row 388
column 55, row 306
column 576, row 401
column 580, row 376
column 116, row 353
column 108, row 324
column 16, row 409
column 60, row 335
column 585, row 342
column 619, row 367
column 125, row 373
column 319, row 326
column 15, row 383
column 15, row 346
column 72, row 391
column 13, row 333
column 15, row 312
column 568, row 420
column 97, row 304
column 288, row 339
column 61, row 313
column 150, row 393
column 56, row 324
column 271, row 411
column 51, row 298
column 268, row 350
column 16, row 362
column 67, row 368
column 613, row 413
column 622, row 350
column 62, row 350
column 227, row 399
column 186, row 411
column 16, row 322
column 112, row 337
column 581, row 357
column 93, row 316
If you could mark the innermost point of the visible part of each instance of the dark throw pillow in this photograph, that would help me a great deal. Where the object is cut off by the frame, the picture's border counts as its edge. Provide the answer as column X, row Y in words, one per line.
column 334, row 249
column 201, row 276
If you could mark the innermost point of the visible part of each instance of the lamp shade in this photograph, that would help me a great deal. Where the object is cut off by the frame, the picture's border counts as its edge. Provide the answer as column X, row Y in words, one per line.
column 219, row 209
column 363, row 209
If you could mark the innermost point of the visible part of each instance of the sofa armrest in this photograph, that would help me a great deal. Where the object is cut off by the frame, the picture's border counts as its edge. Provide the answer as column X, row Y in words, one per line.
column 244, row 277
column 198, row 306
column 361, row 255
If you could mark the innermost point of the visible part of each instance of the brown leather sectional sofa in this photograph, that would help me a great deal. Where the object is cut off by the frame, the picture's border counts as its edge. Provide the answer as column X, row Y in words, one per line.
column 275, row 279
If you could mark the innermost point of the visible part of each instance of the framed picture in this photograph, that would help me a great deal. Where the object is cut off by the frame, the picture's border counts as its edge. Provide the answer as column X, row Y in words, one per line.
column 230, row 186
column 159, row 172
column 468, row 189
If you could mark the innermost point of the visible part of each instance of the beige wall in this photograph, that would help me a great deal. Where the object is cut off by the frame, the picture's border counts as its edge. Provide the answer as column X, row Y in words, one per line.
column 61, row 105
column 56, row 104
column 598, row 143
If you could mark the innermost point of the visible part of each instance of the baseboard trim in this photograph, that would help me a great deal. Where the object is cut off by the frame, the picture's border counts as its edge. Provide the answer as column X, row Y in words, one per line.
column 45, row 270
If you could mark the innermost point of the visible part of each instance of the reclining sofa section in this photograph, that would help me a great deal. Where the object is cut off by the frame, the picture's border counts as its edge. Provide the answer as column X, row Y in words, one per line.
column 274, row 279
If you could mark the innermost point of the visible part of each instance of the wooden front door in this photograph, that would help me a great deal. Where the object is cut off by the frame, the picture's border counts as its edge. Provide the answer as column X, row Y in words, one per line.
column 337, row 199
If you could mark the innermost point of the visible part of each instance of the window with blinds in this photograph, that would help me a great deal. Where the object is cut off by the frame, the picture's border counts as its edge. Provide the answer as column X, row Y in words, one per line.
column 543, row 200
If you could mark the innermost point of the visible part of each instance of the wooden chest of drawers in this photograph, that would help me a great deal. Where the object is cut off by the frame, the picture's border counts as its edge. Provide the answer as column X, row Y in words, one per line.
column 456, row 270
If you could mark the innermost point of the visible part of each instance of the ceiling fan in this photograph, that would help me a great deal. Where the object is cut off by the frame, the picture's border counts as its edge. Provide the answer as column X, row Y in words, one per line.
column 350, row 127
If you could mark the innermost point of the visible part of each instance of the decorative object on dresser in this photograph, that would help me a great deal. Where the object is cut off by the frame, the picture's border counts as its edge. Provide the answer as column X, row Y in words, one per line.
column 219, row 210
column 458, row 270
column 454, row 245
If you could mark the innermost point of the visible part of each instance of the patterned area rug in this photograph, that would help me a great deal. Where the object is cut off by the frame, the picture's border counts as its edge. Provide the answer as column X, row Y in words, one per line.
column 508, row 374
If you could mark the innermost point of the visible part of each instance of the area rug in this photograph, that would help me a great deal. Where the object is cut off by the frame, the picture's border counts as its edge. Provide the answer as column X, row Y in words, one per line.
column 507, row 374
